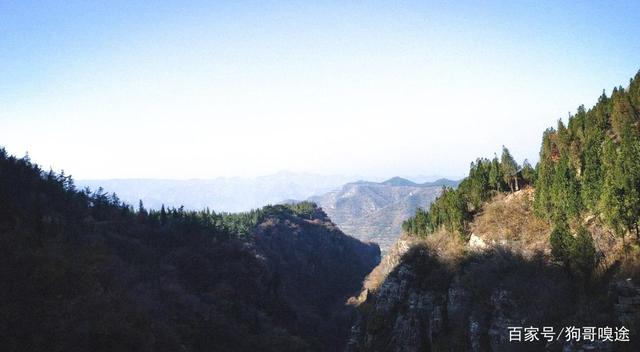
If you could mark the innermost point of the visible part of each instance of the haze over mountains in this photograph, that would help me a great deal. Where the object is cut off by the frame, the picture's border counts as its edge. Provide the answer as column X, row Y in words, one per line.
column 229, row 194
column 84, row 272
column 367, row 210
column 374, row 211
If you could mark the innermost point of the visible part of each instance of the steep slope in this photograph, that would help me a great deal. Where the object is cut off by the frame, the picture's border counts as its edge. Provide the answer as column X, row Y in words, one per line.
column 490, row 257
column 446, row 293
column 373, row 211
column 318, row 268
column 82, row 272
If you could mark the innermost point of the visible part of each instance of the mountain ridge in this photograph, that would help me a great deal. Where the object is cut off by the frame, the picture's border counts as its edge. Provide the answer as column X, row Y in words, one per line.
column 230, row 194
column 515, row 246
column 83, row 271
column 374, row 211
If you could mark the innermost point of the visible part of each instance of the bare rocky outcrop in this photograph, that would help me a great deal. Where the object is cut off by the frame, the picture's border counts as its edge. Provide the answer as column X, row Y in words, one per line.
column 433, row 294
column 425, row 304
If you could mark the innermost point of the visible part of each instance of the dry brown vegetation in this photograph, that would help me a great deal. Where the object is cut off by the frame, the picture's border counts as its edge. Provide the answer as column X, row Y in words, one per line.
column 509, row 220
column 614, row 252
column 388, row 263
column 630, row 263
column 450, row 248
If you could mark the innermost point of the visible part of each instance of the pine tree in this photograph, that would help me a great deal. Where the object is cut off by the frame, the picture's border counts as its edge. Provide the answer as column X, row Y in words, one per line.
column 601, row 113
column 495, row 175
column 634, row 91
column 628, row 169
column 476, row 186
column 582, row 254
column 611, row 195
column 561, row 241
column 622, row 112
column 528, row 173
column 562, row 138
column 544, row 180
column 565, row 196
column 163, row 216
column 509, row 169
column 620, row 200
column 142, row 212
column 591, row 181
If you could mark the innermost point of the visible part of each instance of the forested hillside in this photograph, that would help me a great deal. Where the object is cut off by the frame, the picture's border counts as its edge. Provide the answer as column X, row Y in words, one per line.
column 81, row 271
column 454, row 208
column 590, row 166
column 556, row 245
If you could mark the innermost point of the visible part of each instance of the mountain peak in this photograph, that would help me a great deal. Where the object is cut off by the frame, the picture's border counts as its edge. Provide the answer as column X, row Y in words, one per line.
column 442, row 182
column 399, row 181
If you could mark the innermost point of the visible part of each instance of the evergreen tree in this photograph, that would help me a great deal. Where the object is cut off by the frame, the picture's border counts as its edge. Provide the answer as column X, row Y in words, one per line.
column 601, row 113
column 544, row 180
column 591, row 181
column 142, row 212
column 561, row 241
column 622, row 112
column 634, row 91
column 163, row 216
column 476, row 187
column 582, row 254
column 495, row 174
column 509, row 169
column 562, row 138
column 628, row 173
column 611, row 196
column 528, row 173
column 620, row 201
column 565, row 196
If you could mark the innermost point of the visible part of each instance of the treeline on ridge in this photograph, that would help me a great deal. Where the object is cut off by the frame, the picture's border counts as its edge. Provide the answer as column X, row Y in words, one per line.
column 454, row 208
column 592, row 164
column 82, row 271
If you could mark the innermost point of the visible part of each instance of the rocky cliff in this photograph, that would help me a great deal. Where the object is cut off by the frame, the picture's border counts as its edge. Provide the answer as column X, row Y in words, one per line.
column 447, row 293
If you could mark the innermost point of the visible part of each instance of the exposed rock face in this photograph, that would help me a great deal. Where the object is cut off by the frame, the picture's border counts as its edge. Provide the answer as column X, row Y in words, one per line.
column 508, row 221
column 388, row 263
column 427, row 304
column 444, row 292
column 627, row 307
column 476, row 242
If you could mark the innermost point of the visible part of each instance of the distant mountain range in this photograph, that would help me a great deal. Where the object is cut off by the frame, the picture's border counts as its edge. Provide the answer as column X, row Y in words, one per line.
column 84, row 273
column 369, row 211
column 230, row 194
column 374, row 211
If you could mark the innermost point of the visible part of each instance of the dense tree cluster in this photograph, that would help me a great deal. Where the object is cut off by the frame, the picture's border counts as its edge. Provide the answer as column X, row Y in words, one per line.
column 82, row 271
column 455, row 207
column 577, row 253
column 593, row 164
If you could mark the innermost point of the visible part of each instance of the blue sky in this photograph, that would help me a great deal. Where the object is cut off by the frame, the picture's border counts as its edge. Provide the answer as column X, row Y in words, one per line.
column 108, row 89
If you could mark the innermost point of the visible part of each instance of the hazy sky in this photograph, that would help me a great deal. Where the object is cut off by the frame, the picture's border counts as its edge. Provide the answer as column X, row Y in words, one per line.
column 109, row 89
